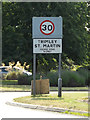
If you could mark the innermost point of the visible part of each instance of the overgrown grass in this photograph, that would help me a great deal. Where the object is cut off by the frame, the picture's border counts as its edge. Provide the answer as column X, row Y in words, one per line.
column 68, row 100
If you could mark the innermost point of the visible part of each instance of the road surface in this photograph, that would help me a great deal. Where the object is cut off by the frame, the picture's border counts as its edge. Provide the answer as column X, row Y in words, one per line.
column 7, row 111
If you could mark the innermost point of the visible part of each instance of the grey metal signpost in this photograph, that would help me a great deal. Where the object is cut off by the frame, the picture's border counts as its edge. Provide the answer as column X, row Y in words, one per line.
column 47, row 38
column 59, row 79
column 34, row 72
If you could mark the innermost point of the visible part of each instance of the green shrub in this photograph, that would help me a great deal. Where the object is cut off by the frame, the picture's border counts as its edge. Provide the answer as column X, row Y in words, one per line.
column 65, row 77
column 84, row 68
column 13, row 75
column 85, row 73
column 72, row 79
column 69, row 79
column 53, row 78
column 23, row 79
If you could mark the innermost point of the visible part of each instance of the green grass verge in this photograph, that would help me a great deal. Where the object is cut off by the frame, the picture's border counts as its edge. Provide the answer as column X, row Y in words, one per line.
column 76, row 113
column 28, row 88
column 69, row 88
column 15, row 88
column 73, row 101
column 12, row 85
column 9, row 82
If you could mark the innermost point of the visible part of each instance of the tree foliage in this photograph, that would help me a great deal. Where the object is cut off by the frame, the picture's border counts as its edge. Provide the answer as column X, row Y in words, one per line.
column 17, row 31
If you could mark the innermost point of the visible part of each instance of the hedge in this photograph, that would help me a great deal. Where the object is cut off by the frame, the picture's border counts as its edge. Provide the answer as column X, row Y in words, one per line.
column 72, row 79
column 69, row 79
column 86, row 74
column 77, row 78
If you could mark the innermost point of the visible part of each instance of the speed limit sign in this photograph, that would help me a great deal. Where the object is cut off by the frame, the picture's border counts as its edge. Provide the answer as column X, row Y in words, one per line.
column 47, row 27
column 47, row 38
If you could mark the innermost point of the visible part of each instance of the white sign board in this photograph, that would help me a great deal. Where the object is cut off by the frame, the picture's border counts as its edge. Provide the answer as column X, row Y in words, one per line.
column 47, row 45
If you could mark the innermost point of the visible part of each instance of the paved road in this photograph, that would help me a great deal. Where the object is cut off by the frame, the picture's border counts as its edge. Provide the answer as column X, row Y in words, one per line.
column 7, row 111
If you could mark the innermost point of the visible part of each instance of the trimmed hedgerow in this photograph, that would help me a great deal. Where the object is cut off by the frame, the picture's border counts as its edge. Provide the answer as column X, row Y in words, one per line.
column 72, row 79
column 86, row 74
column 53, row 78
column 24, row 79
column 69, row 79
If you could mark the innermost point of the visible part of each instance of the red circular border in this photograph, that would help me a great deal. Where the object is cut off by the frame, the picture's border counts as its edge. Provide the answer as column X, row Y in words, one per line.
column 51, row 23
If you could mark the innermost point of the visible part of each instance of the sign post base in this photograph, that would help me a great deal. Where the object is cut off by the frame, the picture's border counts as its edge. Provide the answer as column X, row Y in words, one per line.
column 59, row 87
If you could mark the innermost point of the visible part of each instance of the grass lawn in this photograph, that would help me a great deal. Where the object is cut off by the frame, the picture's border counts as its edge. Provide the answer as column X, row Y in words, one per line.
column 15, row 88
column 12, row 85
column 28, row 88
column 9, row 82
column 70, row 88
column 75, row 101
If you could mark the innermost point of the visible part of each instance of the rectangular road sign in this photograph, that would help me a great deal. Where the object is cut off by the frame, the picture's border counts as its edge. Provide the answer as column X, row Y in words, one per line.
column 47, row 38
column 47, row 45
column 47, row 27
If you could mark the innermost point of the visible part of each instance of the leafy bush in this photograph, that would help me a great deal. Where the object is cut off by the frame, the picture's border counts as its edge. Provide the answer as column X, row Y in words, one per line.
column 13, row 75
column 84, row 68
column 53, row 77
column 85, row 73
column 18, row 75
column 69, row 79
column 24, row 79
column 72, row 79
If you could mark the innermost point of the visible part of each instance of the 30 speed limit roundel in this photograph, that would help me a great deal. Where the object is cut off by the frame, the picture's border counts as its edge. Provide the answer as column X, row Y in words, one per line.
column 47, row 27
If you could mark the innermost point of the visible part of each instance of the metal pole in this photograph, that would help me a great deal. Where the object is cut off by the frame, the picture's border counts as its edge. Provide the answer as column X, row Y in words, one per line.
column 34, row 73
column 59, row 79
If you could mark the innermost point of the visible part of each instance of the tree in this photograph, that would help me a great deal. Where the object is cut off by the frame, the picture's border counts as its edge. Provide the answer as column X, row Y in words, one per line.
column 17, row 31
